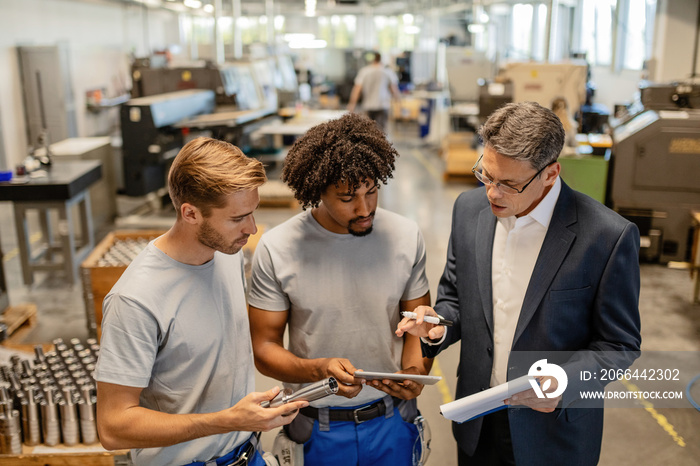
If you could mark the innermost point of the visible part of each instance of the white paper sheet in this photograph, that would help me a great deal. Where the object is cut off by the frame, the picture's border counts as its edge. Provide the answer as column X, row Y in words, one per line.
column 481, row 403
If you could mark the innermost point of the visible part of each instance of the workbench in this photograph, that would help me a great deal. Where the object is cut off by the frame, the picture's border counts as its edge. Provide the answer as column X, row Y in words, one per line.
column 64, row 187
column 103, row 193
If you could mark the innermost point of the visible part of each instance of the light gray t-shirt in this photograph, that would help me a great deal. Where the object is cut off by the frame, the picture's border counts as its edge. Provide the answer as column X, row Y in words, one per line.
column 375, row 81
column 181, row 332
column 342, row 291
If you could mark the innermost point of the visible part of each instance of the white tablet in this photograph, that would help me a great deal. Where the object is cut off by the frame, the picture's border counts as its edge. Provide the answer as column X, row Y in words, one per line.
column 422, row 379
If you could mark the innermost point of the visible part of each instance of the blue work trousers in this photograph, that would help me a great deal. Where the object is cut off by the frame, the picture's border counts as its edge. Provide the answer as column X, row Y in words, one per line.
column 379, row 441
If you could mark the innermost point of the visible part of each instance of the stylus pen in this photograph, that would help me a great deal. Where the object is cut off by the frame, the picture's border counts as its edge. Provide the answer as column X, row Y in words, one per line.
column 430, row 319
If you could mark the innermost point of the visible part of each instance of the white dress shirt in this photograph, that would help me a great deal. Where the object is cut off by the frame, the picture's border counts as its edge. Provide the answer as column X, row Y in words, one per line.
column 516, row 245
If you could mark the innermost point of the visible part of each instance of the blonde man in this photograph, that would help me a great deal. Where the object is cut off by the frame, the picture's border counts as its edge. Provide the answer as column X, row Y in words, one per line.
column 175, row 373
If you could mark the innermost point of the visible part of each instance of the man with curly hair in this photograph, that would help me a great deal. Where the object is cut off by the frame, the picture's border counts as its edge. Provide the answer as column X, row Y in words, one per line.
column 339, row 275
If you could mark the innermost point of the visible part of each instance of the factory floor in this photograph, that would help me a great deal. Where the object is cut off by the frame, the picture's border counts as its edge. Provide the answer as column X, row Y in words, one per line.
column 644, row 435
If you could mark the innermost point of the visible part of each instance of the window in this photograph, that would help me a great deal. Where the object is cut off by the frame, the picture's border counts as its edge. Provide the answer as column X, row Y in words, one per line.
column 638, row 33
column 596, row 30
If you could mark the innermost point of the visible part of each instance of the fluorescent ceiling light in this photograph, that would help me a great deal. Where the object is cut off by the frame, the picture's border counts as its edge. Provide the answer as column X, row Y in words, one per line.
column 475, row 28
column 297, row 37
column 308, row 44
column 192, row 3
column 209, row 8
column 411, row 29
column 310, row 7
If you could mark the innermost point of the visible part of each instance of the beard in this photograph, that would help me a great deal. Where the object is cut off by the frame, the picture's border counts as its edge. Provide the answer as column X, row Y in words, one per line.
column 360, row 233
column 211, row 238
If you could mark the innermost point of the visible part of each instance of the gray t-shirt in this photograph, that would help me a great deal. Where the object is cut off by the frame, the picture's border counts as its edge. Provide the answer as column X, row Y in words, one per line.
column 376, row 81
column 342, row 291
column 181, row 332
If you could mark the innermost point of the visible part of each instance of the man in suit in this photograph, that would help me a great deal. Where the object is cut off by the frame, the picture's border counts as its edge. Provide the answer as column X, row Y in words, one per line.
column 532, row 266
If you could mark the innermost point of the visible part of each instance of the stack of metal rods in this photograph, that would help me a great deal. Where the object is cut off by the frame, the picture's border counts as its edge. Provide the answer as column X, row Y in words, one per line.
column 50, row 400
column 122, row 252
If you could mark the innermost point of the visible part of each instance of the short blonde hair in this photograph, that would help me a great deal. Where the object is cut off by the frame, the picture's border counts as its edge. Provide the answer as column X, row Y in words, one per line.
column 207, row 170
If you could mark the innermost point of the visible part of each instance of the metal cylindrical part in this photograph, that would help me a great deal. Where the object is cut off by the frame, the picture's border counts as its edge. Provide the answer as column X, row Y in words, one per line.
column 312, row 392
column 315, row 391
column 278, row 400
column 11, row 433
column 50, row 426
column 88, row 426
column 39, row 353
column 31, row 425
column 69, row 422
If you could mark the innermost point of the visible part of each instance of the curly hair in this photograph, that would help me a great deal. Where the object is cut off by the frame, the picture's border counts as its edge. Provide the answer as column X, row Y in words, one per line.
column 351, row 149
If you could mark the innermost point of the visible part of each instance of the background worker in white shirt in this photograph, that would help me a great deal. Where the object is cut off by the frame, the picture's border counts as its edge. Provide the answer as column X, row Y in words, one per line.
column 377, row 84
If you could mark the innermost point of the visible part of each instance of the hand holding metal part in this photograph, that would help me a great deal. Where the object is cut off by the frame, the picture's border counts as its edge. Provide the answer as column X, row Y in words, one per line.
column 313, row 392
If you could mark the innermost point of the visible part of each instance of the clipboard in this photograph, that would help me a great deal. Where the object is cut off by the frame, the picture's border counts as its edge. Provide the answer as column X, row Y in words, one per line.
column 485, row 402
column 422, row 379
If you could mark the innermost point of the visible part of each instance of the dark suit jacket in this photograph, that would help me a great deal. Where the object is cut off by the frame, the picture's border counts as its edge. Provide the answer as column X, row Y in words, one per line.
column 583, row 295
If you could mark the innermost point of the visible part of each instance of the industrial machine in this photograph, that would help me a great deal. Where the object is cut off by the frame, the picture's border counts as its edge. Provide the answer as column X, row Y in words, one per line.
column 543, row 82
column 227, row 102
column 493, row 95
column 465, row 67
column 149, row 138
column 655, row 169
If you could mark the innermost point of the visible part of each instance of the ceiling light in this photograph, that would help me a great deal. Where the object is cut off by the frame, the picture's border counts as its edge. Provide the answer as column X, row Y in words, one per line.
column 296, row 37
column 308, row 44
column 411, row 29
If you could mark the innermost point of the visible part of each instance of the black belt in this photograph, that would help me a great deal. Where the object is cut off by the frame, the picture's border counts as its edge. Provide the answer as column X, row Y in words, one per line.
column 357, row 415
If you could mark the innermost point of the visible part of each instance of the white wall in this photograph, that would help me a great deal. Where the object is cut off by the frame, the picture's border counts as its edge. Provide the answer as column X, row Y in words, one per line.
column 99, row 34
column 675, row 26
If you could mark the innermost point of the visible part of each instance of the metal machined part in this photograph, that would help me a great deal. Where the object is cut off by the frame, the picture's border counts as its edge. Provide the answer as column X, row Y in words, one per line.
column 10, row 433
column 69, row 421
column 50, row 425
column 313, row 392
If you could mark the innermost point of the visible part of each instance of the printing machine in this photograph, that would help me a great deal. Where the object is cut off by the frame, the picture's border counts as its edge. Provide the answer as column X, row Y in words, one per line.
column 656, row 169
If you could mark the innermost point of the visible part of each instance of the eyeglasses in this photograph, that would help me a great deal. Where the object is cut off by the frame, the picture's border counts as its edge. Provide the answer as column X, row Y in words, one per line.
column 504, row 188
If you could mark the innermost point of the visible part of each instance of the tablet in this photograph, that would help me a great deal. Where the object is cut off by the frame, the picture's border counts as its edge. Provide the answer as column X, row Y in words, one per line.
column 422, row 379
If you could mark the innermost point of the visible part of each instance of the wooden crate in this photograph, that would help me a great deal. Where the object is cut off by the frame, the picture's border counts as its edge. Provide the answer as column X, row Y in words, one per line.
column 62, row 455
column 406, row 109
column 99, row 279
column 19, row 320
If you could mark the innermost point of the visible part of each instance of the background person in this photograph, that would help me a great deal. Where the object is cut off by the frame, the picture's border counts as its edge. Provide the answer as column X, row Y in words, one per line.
column 377, row 84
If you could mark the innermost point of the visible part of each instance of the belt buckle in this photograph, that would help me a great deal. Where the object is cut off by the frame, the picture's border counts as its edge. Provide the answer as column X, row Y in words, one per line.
column 241, row 460
column 355, row 412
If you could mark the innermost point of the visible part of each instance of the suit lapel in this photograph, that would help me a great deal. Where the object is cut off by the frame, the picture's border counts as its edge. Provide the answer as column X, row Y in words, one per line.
column 555, row 247
column 486, row 227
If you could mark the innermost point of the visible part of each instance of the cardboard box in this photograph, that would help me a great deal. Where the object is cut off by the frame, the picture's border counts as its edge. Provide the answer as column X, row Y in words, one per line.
column 406, row 109
column 459, row 155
